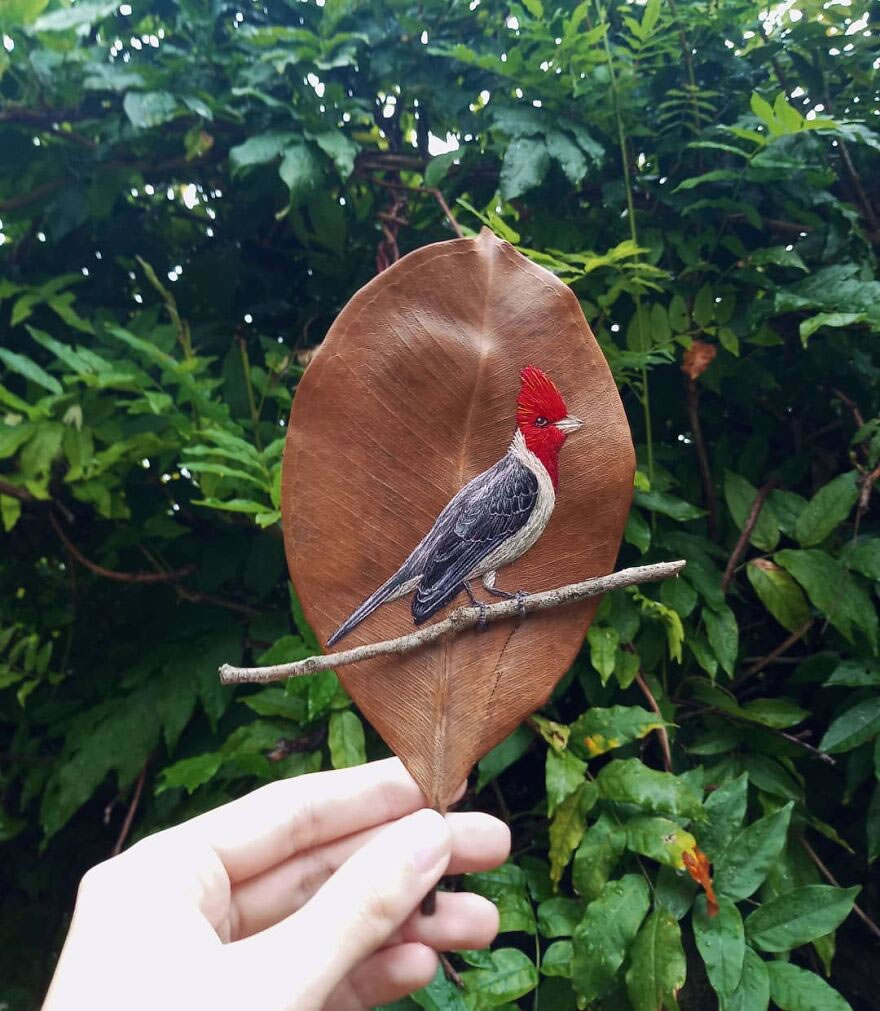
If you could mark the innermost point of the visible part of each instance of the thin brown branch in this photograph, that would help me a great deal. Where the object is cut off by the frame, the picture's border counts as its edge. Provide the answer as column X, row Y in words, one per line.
column 432, row 190
column 461, row 619
column 830, row 878
column 821, row 755
column 14, row 491
column 746, row 532
column 195, row 597
column 450, row 973
column 661, row 731
column 119, row 577
column 858, row 417
column 693, row 402
column 132, row 808
column 783, row 647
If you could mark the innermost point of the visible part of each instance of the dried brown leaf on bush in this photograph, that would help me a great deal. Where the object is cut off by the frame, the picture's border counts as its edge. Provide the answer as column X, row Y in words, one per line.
column 698, row 358
column 412, row 394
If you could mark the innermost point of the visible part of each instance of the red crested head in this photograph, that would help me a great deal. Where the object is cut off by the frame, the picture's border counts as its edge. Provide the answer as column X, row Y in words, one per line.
column 543, row 418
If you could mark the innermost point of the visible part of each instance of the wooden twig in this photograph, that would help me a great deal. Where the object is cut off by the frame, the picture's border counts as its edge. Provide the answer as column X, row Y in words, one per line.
column 132, row 807
column 14, row 491
column 830, row 878
column 119, row 577
column 693, row 408
column 785, row 645
column 746, row 532
column 661, row 731
column 457, row 622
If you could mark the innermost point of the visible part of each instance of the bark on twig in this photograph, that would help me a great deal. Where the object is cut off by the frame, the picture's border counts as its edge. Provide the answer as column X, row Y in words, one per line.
column 746, row 532
column 830, row 878
column 785, row 645
column 693, row 401
column 132, row 808
column 661, row 731
column 461, row 619
column 119, row 577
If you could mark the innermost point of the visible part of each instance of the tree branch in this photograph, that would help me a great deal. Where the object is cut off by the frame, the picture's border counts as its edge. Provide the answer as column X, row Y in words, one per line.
column 746, row 532
column 785, row 645
column 829, row 877
column 119, row 577
column 15, row 491
column 457, row 622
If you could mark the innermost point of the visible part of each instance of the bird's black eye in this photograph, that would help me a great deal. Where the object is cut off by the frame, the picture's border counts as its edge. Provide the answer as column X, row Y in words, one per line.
column 542, row 422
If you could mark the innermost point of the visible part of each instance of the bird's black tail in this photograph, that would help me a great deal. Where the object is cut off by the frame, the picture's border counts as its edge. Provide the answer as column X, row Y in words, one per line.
column 387, row 591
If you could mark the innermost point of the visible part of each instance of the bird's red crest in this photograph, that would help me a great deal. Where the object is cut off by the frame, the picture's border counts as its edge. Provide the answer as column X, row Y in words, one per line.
column 538, row 397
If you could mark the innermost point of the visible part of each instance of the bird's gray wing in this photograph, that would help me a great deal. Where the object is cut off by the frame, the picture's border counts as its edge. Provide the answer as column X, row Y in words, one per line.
column 492, row 508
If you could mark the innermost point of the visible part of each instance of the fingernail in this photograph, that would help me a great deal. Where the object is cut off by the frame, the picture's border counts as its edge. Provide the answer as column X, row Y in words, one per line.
column 429, row 835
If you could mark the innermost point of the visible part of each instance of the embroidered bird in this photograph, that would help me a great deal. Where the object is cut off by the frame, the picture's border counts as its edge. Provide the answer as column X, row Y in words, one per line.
column 493, row 520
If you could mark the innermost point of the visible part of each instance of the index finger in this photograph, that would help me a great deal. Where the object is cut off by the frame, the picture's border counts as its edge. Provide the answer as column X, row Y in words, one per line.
column 269, row 825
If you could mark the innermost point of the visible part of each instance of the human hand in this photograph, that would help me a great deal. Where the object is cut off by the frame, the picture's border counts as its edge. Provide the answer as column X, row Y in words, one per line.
column 303, row 894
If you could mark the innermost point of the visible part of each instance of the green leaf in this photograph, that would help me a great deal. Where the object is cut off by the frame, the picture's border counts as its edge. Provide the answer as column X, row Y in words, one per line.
column 563, row 774
column 628, row 781
column 668, row 505
column 726, row 809
column 857, row 725
column 863, row 555
column 834, row 319
column 81, row 17
column 345, row 737
column 258, row 150
column 30, row 370
column 723, row 634
column 191, row 773
column 441, row 994
column 10, row 511
column 512, row 975
column 438, row 166
column 603, row 937
column 796, row 989
column 740, row 495
column 506, row 887
column 597, row 856
column 340, row 149
column 779, row 593
column 855, row 674
column 146, row 109
column 301, row 172
column 721, row 943
column 557, row 917
column 603, row 649
column 567, row 828
column 557, row 959
column 753, row 992
column 832, row 590
column 600, row 730
column 503, row 755
column 660, row 839
column 745, row 863
column 637, row 532
column 657, row 968
column 799, row 916
column 827, row 509
column 563, row 150
column 525, row 165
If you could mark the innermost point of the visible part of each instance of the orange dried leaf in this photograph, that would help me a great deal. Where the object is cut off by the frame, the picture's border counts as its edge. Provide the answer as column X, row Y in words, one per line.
column 412, row 394
column 698, row 358
column 697, row 865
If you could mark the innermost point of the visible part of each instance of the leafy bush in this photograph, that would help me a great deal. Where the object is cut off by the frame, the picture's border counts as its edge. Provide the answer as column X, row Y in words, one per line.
column 189, row 193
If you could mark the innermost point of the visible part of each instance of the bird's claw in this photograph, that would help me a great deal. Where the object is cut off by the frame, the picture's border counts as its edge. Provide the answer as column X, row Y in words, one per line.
column 521, row 603
column 482, row 624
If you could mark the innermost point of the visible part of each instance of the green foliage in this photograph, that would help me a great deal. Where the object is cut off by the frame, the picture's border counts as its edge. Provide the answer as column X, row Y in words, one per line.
column 188, row 196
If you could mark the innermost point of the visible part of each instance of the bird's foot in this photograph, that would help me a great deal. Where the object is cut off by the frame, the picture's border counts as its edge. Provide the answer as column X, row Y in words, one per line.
column 482, row 624
column 521, row 603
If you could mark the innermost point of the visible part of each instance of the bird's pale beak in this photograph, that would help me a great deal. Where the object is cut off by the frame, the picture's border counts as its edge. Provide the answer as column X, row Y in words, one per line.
column 569, row 424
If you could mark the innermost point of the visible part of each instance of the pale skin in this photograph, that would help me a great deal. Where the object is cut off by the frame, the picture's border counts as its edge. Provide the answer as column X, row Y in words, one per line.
column 304, row 894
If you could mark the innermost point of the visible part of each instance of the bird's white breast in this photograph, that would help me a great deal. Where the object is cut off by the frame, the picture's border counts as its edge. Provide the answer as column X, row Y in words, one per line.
column 525, row 537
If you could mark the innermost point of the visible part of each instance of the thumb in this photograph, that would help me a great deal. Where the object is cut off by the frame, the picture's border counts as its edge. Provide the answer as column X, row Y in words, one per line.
column 358, row 908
